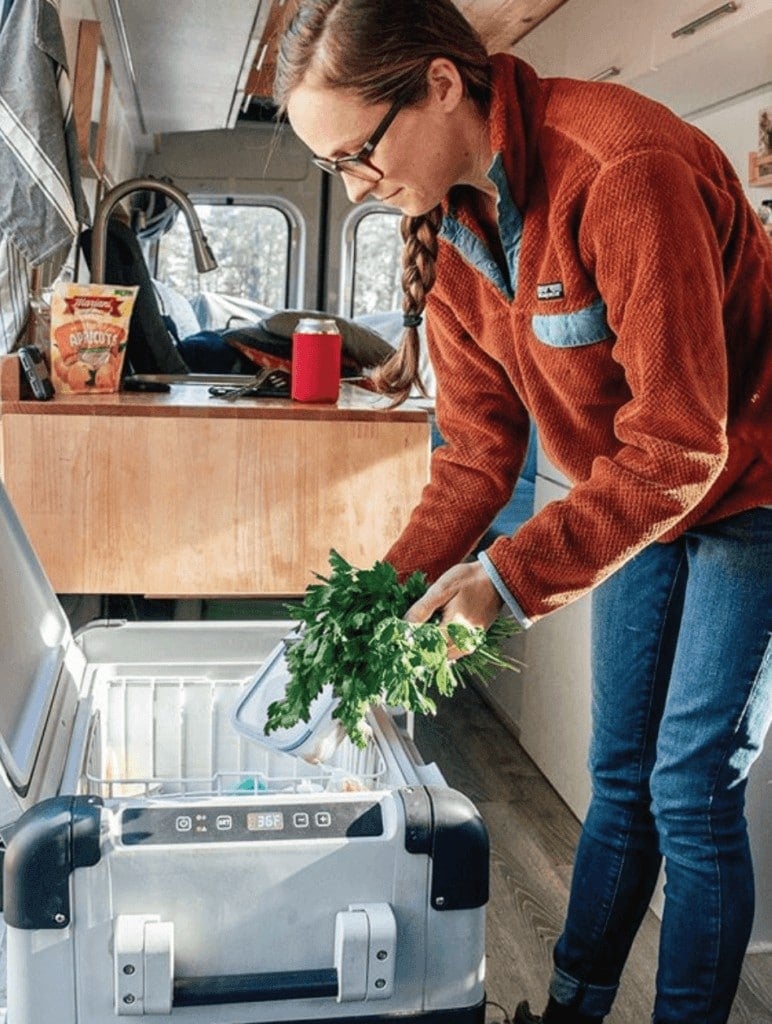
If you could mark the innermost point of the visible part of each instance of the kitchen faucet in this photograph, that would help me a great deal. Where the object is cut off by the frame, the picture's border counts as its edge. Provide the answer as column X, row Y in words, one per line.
column 205, row 260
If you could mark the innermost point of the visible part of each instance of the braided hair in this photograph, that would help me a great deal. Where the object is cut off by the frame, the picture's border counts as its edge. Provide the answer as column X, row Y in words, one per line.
column 400, row 373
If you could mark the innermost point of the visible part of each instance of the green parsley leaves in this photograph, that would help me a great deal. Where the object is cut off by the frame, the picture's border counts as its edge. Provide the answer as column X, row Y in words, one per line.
column 356, row 639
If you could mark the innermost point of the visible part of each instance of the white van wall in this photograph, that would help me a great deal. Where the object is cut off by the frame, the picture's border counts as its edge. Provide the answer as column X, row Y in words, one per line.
column 734, row 126
column 246, row 163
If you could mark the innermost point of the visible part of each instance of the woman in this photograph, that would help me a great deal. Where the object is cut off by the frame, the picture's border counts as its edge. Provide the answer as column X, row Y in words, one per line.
column 587, row 260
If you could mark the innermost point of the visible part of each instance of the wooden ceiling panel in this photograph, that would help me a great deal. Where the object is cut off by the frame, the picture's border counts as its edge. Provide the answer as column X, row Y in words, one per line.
column 261, row 74
column 501, row 23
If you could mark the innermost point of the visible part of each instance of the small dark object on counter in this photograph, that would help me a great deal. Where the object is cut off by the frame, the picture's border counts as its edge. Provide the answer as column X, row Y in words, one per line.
column 35, row 373
column 138, row 384
column 267, row 383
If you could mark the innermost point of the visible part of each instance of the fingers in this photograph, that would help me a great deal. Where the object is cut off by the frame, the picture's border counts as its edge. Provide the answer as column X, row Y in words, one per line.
column 463, row 594
column 423, row 609
column 439, row 597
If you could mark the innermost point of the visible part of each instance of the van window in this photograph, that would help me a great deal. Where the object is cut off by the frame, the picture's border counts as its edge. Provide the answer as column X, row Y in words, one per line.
column 377, row 263
column 251, row 245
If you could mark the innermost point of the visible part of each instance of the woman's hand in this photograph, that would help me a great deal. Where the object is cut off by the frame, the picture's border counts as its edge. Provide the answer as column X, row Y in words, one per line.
column 463, row 594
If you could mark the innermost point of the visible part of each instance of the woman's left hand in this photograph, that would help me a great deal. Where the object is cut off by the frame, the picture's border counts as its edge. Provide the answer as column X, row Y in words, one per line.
column 463, row 594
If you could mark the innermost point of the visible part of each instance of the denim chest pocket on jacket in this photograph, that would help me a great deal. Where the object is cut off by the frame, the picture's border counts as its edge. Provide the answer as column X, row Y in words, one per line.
column 572, row 330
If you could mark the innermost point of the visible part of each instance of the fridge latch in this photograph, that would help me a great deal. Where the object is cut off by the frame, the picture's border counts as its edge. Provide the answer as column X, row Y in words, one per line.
column 144, row 965
column 365, row 952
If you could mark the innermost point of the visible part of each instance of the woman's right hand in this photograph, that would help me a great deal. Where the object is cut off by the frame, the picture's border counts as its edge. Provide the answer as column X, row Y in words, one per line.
column 463, row 594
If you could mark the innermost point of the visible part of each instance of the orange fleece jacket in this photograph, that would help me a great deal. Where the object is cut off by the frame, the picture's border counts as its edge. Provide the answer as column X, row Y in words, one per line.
column 632, row 322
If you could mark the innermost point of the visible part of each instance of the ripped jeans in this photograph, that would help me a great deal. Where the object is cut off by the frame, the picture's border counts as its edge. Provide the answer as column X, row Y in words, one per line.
column 682, row 699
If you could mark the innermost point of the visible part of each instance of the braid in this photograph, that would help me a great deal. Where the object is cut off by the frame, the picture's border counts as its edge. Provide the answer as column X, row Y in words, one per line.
column 399, row 374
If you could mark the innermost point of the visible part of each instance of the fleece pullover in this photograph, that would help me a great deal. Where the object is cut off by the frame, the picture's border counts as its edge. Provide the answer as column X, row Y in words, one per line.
column 627, row 311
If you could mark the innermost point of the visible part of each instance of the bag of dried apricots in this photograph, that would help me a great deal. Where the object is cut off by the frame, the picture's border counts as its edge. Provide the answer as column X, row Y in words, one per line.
column 89, row 331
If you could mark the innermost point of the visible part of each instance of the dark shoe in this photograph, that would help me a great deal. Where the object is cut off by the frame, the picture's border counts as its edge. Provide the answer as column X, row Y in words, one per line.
column 554, row 1014
column 523, row 1015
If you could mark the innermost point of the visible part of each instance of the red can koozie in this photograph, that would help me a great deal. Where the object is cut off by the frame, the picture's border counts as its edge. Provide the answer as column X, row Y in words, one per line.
column 316, row 360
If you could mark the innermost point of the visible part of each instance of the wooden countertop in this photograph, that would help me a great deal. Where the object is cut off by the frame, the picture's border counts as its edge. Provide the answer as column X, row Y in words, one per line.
column 194, row 400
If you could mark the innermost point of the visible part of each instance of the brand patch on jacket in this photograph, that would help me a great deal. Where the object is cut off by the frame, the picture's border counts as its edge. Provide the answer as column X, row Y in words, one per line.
column 554, row 290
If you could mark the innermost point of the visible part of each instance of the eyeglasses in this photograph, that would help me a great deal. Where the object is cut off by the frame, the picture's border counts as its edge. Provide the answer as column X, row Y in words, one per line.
column 358, row 164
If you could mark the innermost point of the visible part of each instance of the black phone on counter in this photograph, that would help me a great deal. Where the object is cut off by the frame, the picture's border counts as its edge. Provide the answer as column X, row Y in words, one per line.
column 35, row 374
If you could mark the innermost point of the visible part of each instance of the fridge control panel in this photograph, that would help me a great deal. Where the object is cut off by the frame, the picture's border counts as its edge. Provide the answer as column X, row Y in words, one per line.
column 229, row 823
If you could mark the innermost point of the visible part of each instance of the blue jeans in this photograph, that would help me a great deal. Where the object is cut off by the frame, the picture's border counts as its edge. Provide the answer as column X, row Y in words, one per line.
column 682, row 699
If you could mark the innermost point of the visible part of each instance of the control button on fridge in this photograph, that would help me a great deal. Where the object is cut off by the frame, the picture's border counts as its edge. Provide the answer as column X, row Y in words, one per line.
column 300, row 819
column 184, row 823
column 323, row 819
column 224, row 822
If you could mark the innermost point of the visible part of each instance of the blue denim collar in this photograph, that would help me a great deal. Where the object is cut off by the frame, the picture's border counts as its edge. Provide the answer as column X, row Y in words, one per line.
column 474, row 250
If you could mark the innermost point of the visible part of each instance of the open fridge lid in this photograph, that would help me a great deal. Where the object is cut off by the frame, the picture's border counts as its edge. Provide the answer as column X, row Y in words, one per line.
column 34, row 635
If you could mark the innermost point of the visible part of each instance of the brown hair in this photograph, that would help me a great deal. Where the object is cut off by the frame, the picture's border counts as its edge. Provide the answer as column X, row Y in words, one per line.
column 381, row 50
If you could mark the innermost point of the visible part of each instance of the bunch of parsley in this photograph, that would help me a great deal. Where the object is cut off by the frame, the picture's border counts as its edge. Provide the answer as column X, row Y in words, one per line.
column 355, row 638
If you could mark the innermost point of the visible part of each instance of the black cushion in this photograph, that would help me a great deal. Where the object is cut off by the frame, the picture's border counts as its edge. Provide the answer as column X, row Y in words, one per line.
column 360, row 344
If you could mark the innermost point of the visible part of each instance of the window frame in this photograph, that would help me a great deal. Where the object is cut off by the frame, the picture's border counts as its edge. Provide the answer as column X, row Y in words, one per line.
column 348, row 252
column 294, row 282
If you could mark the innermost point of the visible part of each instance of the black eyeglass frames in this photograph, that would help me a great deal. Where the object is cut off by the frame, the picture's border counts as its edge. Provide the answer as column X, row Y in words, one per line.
column 358, row 164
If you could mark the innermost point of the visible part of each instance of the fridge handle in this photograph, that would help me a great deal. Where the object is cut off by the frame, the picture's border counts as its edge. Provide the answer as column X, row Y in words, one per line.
column 143, row 950
column 254, row 988
column 365, row 960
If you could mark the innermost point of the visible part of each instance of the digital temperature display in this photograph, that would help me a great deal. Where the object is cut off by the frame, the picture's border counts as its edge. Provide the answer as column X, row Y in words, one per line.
column 229, row 823
column 265, row 821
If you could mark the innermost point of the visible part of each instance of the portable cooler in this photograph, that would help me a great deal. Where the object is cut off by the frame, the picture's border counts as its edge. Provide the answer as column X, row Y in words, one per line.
column 160, row 864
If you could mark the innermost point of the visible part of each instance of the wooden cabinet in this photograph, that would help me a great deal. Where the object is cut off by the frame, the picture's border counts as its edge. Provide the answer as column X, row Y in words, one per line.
column 182, row 495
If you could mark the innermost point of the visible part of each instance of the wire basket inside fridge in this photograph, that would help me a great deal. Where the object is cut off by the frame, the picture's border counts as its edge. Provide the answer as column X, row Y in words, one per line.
column 174, row 736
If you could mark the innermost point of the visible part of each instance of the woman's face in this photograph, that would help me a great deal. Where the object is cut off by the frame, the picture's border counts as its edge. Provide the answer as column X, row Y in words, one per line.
column 421, row 155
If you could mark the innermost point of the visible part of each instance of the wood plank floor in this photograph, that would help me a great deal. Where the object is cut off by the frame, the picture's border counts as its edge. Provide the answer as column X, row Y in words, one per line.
column 533, row 835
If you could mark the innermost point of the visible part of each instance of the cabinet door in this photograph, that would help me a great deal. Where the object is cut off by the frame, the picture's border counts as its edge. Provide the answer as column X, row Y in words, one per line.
column 544, row 48
column 555, row 698
column 611, row 40
column 720, row 23
column 722, row 59
column 592, row 39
